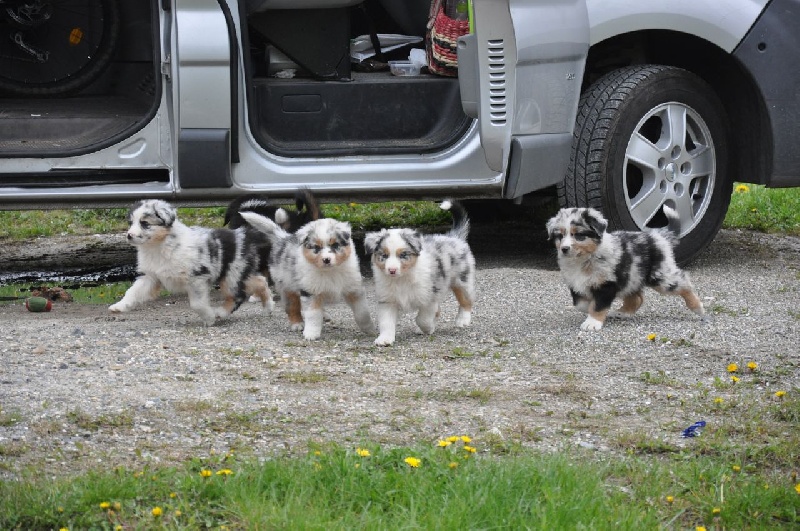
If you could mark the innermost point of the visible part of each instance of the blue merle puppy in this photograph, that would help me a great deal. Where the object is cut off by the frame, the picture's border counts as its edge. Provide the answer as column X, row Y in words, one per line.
column 416, row 272
column 192, row 260
column 600, row 266
column 313, row 267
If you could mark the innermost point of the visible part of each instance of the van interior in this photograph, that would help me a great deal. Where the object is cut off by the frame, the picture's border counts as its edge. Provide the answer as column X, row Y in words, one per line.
column 305, row 96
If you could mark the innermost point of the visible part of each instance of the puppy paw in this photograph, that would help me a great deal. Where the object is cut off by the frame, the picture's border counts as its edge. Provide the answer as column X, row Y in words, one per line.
column 296, row 327
column 463, row 319
column 310, row 335
column 384, row 341
column 118, row 308
column 591, row 324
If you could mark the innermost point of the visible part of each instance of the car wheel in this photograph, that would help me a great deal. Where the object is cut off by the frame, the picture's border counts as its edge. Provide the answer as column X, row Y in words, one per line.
column 648, row 136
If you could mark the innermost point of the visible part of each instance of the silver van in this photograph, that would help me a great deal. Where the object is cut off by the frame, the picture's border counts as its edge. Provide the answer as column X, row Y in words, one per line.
column 625, row 106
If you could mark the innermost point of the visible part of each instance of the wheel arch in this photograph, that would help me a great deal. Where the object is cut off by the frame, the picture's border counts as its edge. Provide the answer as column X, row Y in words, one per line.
column 750, row 131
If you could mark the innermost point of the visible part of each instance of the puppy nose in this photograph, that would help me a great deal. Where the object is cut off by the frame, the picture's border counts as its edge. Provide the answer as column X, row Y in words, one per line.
column 326, row 260
column 392, row 270
column 130, row 236
column 565, row 249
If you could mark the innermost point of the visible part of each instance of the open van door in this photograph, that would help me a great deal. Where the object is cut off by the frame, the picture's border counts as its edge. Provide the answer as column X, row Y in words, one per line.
column 520, row 75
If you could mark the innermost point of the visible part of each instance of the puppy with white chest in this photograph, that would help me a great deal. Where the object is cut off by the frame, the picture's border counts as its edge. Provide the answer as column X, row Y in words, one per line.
column 415, row 272
column 313, row 267
column 191, row 260
column 600, row 266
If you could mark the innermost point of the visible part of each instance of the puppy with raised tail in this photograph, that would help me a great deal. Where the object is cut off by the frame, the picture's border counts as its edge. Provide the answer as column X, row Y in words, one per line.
column 191, row 260
column 600, row 266
column 415, row 272
column 313, row 267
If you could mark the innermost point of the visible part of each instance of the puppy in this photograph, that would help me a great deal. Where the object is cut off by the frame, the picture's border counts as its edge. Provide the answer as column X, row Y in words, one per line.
column 414, row 272
column 307, row 209
column 193, row 260
column 599, row 266
column 312, row 267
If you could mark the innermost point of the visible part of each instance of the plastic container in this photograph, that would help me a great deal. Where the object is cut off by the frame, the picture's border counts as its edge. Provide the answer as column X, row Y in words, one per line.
column 404, row 68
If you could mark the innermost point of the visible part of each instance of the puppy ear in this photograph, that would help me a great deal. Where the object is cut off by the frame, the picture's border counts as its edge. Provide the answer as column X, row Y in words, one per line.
column 165, row 212
column 413, row 239
column 553, row 224
column 372, row 240
column 344, row 231
column 595, row 220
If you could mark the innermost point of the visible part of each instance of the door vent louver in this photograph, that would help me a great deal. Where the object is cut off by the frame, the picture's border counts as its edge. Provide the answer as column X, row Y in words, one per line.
column 497, row 79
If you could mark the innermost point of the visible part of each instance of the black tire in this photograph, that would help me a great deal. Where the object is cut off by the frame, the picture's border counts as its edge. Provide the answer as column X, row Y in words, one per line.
column 625, row 163
column 81, row 38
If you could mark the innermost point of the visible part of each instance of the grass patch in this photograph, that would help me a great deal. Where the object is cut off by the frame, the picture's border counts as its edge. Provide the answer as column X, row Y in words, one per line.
column 25, row 224
column 82, row 294
column 439, row 486
column 764, row 209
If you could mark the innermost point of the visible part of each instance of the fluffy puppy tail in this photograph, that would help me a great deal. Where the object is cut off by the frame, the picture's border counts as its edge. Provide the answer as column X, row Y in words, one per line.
column 263, row 224
column 304, row 199
column 460, row 227
column 673, row 223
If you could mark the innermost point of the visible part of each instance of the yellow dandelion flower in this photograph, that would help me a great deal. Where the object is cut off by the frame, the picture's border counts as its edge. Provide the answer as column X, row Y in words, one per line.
column 317, row 452
column 734, row 378
column 105, row 505
column 470, row 449
column 64, row 529
column 178, row 512
column 157, row 511
column 466, row 439
column 118, row 527
column 224, row 472
column 362, row 452
column 780, row 394
column 670, row 499
column 742, row 189
column 173, row 495
column 358, row 465
column 737, row 468
column 700, row 528
column 413, row 462
column 60, row 509
column 733, row 367
column 797, row 488
column 453, row 464
column 205, row 473
column 716, row 510
column 754, row 210
column 353, row 204
column 452, row 439
column 651, row 337
column 117, row 506
column 718, row 400
column 752, row 365
column 444, row 444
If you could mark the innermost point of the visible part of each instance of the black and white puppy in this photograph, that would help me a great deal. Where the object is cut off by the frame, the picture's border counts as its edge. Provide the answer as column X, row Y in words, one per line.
column 600, row 266
column 415, row 272
column 306, row 209
column 313, row 267
column 191, row 260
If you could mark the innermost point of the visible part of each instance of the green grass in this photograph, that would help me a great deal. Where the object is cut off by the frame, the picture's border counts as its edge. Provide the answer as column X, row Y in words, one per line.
column 757, row 208
column 764, row 209
column 451, row 488
column 16, row 225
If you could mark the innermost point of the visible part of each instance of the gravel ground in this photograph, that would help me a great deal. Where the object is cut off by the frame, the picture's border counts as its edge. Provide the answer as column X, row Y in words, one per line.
column 81, row 388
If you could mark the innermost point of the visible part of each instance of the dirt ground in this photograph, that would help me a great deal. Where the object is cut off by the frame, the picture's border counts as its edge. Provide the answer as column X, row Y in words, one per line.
column 81, row 388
